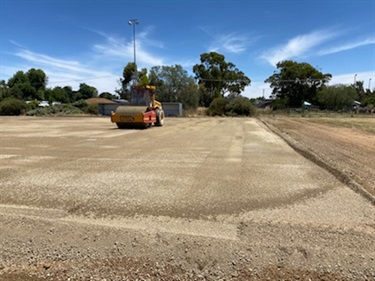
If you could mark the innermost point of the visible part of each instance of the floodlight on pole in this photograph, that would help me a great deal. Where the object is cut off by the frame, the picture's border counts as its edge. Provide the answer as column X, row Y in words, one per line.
column 134, row 22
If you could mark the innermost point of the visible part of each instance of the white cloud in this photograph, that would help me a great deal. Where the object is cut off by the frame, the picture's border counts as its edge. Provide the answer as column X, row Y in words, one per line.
column 68, row 72
column 229, row 42
column 348, row 46
column 119, row 49
column 349, row 78
column 16, row 43
column 105, row 60
column 232, row 43
column 42, row 59
column 297, row 46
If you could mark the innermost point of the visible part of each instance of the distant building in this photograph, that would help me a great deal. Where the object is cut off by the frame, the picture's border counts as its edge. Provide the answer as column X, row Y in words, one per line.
column 170, row 108
column 103, row 105
column 263, row 103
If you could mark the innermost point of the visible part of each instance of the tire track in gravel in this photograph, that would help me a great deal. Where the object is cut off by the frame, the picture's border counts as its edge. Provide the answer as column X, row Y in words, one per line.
column 150, row 224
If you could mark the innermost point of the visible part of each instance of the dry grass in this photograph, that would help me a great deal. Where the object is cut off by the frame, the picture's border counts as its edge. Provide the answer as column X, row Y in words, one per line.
column 363, row 124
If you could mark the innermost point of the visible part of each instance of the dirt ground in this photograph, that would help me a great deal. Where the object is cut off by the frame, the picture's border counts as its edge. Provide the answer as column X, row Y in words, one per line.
column 197, row 199
column 349, row 153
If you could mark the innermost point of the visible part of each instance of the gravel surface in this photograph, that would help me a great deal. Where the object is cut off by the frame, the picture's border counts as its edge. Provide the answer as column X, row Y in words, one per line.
column 348, row 153
column 197, row 199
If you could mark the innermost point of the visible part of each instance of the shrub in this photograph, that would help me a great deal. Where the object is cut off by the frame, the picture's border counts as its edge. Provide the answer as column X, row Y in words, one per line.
column 279, row 104
column 57, row 110
column 32, row 105
column 217, row 106
column 12, row 106
column 92, row 109
column 240, row 106
column 370, row 100
column 82, row 104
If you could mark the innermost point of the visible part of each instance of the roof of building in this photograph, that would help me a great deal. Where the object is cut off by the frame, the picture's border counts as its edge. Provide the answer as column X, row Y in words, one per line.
column 99, row 100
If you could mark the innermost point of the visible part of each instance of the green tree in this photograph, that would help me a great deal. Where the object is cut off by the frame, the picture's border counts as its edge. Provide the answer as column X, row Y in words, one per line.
column 296, row 82
column 37, row 78
column 173, row 84
column 143, row 80
column 361, row 93
column 48, row 95
column 219, row 77
column 29, row 85
column 189, row 96
column 23, row 91
column 240, row 106
column 62, row 95
column 18, row 78
column 337, row 97
column 4, row 90
column 127, row 77
column 70, row 93
column 107, row 95
column 56, row 94
column 369, row 101
column 128, row 73
column 19, row 86
column 85, row 92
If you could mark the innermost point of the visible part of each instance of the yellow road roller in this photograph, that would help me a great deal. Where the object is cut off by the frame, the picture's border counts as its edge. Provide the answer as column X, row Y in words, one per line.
column 143, row 111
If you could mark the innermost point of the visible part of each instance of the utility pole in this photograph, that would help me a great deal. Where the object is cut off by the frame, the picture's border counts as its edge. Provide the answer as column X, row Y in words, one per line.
column 134, row 22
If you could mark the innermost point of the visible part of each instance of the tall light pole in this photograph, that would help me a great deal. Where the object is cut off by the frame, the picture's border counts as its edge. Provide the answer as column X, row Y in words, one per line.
column 355, row 78
column 134, row 22
column 369, row 84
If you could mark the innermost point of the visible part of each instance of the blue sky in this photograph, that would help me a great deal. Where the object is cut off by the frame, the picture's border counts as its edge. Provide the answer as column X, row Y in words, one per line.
column 90, row 41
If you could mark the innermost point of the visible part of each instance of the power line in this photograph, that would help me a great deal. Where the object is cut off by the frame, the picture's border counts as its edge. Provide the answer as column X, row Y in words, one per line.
column 81, row 80
column 221, row 80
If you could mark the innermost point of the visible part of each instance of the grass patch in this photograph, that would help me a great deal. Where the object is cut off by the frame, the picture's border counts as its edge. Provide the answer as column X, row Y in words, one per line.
column 363, row 122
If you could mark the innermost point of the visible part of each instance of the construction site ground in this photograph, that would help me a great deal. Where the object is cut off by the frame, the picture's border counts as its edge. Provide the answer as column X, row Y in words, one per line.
column 205, row 198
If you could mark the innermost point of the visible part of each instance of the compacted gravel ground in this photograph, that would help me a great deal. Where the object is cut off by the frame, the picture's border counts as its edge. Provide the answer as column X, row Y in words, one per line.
column 197, row 199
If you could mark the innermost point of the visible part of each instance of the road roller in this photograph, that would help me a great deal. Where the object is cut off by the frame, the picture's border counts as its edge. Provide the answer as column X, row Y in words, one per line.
column 143, row 111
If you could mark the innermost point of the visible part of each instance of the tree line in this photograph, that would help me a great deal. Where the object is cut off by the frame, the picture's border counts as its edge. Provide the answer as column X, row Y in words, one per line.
column 32, row 85
column 293, row 83
column 216, row 84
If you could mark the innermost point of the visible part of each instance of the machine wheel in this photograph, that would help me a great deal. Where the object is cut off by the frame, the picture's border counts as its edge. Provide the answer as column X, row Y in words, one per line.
column 159, row 117
column 121, row 125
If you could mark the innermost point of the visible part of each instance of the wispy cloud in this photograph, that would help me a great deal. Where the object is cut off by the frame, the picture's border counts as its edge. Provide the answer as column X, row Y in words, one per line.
column 16, row 44
column 348, row 46
column 50, row 61
column 231, row 43
column 118, row 48
column 101, row 62
column 68, row 72
column 297, row 46
column 348, row 78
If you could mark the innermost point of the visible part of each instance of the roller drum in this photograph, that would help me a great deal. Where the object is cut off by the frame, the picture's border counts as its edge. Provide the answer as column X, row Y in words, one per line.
column 130, row 110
